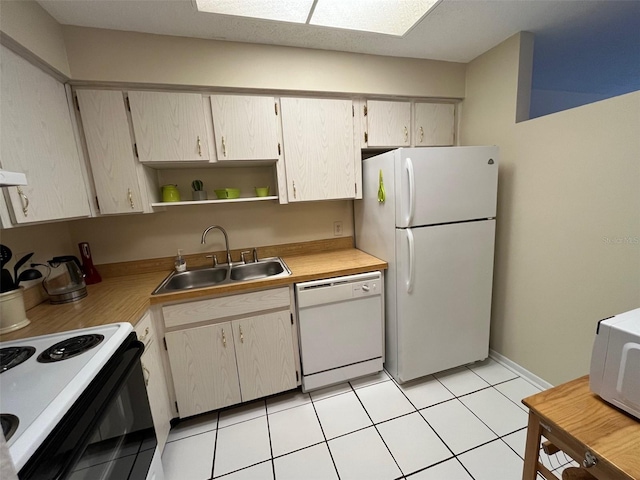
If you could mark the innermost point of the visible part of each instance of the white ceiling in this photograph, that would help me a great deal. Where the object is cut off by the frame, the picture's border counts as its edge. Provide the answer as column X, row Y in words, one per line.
column 456, row 30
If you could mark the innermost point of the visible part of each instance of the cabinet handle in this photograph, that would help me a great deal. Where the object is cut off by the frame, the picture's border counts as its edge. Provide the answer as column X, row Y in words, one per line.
column 146, row 377
column 406, row 134
column 130, row 198
column 25, row 202
column 224, row 148
column 146, row 334
column 224, row 339
column 199, row 147
column 294, row 189
column 241, row 335
column 589, row 460
column 421, row 134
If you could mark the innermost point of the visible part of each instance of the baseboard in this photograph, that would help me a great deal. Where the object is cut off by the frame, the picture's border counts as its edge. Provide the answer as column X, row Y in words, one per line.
column 533, row 379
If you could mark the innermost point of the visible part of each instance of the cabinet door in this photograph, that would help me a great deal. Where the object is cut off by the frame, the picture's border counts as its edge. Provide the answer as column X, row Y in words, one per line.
column 245, row 127
column 388, row 124
column 203, row 365
column 106, row 130
column 264, row 350
column 169, row 127
column 318, row 148
column 157, row 392
column 36, row 138
column 434, row 124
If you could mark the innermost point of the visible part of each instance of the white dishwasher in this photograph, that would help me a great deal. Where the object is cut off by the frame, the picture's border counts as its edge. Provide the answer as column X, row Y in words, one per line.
column 341, row 325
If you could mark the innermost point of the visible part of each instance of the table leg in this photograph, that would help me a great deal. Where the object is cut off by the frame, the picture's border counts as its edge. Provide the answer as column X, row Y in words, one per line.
column 532, row 448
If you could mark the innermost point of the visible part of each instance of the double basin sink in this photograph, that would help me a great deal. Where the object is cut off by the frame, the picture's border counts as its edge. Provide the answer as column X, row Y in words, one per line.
column 223, row 274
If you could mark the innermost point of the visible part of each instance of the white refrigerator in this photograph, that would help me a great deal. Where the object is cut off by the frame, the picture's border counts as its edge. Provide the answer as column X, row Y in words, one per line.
column 435, row 226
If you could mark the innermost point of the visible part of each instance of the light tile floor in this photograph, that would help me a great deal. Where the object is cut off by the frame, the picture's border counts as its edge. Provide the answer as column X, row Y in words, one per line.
column 463, row 424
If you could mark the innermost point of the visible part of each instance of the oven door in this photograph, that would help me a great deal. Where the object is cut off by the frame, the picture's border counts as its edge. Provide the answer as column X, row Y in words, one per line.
column 108, row 434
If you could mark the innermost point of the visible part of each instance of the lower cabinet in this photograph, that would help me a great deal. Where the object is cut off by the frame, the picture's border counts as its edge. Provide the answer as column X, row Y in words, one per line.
column 264, row 354
column 203, row 365
column 157, row 392
column 241, row 353
column 154, row 379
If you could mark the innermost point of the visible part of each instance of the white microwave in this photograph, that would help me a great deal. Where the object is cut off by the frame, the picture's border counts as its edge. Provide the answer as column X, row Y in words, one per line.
column 615, row 361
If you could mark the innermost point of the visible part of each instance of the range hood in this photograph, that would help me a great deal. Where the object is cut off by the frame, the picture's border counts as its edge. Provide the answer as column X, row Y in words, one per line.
column 12, row 179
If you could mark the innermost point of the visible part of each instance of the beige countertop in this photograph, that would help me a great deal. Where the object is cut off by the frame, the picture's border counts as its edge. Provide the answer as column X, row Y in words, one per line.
column 126, row 298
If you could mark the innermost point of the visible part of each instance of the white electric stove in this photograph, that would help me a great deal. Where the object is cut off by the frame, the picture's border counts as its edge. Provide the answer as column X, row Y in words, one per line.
column 47, row 385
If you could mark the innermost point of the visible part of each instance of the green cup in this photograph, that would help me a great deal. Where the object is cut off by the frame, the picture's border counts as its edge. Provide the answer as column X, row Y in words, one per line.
column 262, row 191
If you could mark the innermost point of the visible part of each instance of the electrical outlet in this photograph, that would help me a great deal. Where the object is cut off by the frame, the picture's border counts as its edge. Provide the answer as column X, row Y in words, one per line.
column 337, row 229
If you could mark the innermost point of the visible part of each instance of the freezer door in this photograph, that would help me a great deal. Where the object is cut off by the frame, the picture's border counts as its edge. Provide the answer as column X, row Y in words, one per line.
column 443, row 282
column 445, row 184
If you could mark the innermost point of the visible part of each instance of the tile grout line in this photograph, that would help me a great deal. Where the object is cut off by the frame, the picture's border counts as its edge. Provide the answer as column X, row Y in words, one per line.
column 273, row 464
column 376, row 428
column 421, row 416
column 483, row 422
column 215, row 444
column 433, row 429
column 324, row 436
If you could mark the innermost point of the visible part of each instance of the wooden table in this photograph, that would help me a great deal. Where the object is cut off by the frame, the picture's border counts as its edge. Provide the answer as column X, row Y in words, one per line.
column 582, row 425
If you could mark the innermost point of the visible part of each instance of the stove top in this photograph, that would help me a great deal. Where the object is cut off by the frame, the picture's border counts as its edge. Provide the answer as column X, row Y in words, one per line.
column 70, row 347
column 42, row 377
column 13, row 356
column 9, row 424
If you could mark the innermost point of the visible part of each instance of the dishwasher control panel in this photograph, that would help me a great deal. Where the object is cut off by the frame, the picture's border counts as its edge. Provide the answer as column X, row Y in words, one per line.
column 362, row 289
column 339, row 289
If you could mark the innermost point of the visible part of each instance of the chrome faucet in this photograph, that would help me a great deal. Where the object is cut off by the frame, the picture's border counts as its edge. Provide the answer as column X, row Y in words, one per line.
column 226, row 239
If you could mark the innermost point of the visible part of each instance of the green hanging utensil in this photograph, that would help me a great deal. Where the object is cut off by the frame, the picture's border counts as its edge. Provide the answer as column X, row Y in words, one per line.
column 381, row 194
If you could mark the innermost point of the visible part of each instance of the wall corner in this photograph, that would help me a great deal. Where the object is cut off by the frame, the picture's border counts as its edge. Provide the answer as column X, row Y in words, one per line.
column 525, row 73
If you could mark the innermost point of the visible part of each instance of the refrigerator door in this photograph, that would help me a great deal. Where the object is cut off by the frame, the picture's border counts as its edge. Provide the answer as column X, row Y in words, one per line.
column 445, row 184
column 443, row 283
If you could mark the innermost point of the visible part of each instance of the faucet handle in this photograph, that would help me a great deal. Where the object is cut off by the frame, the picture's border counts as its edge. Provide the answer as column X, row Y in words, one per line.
column 244, row 260
column 255, row 254
column 215, row 259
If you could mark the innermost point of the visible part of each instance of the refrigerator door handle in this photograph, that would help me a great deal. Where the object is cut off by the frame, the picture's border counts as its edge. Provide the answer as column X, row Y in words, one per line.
column 412, row 191
column 411, row 260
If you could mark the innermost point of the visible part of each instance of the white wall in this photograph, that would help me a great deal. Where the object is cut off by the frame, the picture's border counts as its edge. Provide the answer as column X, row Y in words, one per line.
column 568, row 227
column 31, row 26
column 117, row 56
column 46, row 241
column 545, row 101
column 251, row 224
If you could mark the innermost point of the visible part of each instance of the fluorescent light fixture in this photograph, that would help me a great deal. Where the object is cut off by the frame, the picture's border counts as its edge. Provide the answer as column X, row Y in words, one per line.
column 296, row 11
column 389, row 17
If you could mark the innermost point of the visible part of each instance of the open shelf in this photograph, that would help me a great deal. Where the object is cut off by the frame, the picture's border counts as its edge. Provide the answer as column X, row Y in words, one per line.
column 205, row 202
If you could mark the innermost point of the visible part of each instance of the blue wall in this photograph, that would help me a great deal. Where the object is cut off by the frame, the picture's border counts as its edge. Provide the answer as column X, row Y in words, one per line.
column 595, row 58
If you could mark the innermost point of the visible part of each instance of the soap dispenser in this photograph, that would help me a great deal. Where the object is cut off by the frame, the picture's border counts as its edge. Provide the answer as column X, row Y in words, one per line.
column 180, row 263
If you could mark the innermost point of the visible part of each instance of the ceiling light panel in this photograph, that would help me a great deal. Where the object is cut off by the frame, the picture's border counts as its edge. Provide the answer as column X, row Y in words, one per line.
column 295, row 11
column 391, row 17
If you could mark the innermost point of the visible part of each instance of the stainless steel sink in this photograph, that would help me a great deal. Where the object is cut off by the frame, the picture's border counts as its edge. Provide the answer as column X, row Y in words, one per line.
column 254, row 271
column 223, row 274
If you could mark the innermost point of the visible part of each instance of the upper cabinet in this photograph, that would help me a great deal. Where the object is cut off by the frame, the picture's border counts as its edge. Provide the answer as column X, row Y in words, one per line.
column 388, row 124
column 106, row 130
column 37, row 138
column 318, row 148
column 434, row 124
column 169, row 127
column 245, row 127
